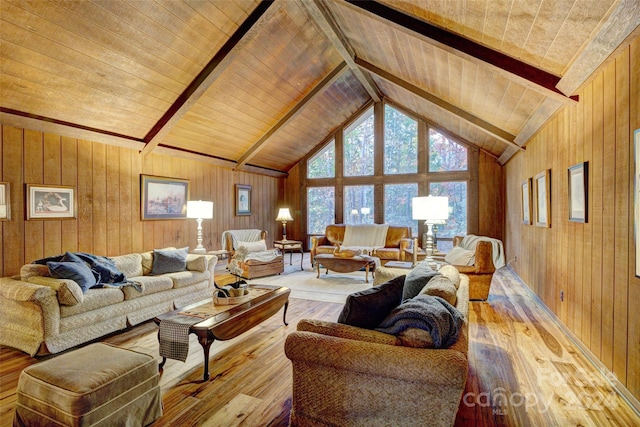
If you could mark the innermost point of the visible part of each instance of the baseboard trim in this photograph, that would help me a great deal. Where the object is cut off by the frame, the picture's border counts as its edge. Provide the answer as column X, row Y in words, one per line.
column 633, row 402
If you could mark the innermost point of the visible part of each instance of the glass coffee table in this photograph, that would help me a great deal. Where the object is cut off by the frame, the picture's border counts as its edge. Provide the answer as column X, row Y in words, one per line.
column 223, row 322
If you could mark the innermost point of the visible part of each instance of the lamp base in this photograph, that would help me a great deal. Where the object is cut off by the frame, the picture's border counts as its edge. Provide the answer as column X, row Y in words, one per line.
column 199, row 250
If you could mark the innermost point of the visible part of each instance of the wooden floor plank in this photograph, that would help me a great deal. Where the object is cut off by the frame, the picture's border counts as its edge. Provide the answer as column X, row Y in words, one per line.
column 523, row 370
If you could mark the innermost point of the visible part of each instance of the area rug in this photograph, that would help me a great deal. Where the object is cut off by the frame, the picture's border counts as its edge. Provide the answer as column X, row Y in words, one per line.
column 331, row 287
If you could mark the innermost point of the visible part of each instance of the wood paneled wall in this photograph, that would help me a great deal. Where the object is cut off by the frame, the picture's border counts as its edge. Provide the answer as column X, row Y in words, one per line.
column 107, row 179
column 592, row 263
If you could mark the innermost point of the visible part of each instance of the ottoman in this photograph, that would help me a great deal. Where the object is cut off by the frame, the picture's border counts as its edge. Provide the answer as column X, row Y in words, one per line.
column 97, row 385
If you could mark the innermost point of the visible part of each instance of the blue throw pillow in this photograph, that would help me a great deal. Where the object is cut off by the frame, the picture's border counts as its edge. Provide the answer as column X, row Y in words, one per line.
column 416, row 279
column 169, row 260
column 76, row 271
column 366, row 309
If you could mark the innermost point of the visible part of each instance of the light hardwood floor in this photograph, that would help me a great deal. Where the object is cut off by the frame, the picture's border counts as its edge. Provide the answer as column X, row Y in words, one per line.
column 523, row 371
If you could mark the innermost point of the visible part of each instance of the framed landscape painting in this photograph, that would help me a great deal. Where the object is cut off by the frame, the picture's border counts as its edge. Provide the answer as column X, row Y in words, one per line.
column 542, row 186
column 526, row 201
column 163, row 198
column 578, row 192
column 243, row 199
column 51, row 202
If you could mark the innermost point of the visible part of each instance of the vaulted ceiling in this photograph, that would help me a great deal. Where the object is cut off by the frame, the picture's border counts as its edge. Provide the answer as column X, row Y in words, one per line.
column 257, row 85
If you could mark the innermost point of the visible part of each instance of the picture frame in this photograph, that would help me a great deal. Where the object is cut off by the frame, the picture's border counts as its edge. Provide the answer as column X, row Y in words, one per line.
column 636, row 199
column 163, row 198
column 243, row 199
column 579, row 192
column 50, row 202
column 5, row 201
column 542, row 186
column 525, row 188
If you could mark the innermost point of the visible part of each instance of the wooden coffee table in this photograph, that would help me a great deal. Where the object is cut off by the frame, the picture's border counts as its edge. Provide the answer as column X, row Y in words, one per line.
column 345, row 265
column 229, row 321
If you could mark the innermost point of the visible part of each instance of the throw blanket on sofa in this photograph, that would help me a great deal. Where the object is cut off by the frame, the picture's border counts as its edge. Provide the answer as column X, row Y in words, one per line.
column 365, row 237
column 470, row 242
column 433, row 314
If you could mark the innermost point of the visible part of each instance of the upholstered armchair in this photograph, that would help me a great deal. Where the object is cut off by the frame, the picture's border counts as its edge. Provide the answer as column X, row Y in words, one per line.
column 349, row 376
column 258, row 260
column 478, row 262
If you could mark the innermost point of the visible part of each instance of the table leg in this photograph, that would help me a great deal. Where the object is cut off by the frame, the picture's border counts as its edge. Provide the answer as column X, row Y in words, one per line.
column 366, row 274
column 291, row 257
column 301, row 258
column 318, row 267
column 284, row 315
column 164, row 360
column 205, row 342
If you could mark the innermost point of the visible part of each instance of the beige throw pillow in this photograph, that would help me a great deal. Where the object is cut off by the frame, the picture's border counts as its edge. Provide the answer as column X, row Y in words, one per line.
column 452, row 273
column 443, row 287
column 459, row 256
column 258, row 246
column 68, row 292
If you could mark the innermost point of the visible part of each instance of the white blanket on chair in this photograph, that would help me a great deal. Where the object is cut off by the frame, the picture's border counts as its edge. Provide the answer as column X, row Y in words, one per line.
column 367, row 237
column 470, row 242
column 248, row 235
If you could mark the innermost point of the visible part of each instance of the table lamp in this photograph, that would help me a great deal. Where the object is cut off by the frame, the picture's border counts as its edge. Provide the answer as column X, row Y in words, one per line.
column 199, row 210
column 284, row 215
column 433, row 210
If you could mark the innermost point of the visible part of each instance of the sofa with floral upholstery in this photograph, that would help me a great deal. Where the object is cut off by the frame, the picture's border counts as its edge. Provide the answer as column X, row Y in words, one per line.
column 41, row 313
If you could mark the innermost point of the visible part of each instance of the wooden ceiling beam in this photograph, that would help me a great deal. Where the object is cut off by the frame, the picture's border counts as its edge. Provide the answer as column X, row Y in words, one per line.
column 209, row 74
column 525, row 74
column 486, row 127
column 623, row 20
column 327, row 23
column 259, row 145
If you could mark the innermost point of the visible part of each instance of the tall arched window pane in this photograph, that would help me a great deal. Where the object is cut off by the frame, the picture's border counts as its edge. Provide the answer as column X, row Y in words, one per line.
column 457, row 192
column 358, row 146
column 400, row 142
column 358, row 204
column 323, row 163
column 397, row 205
column 321, row 208
column 446, row 155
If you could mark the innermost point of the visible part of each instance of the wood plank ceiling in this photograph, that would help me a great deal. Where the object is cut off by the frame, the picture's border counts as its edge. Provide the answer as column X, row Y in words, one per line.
column 256, row 85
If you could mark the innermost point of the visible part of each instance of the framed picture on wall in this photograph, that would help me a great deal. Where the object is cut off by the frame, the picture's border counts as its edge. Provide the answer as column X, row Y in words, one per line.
column 51, row 202
column 578, row 192
column 526, row 201
column 163, row 198
column 542, row 187
column 243, row 199
column 636, row 198
column 5, row 205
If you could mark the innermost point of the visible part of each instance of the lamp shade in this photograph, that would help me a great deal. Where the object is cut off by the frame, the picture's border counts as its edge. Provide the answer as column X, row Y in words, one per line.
column 199, row 209
column 284, row 215
column 431, row 208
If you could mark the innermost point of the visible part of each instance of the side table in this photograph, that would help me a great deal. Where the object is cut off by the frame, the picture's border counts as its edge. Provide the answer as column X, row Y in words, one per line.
column 290, row 245
column 221, row 254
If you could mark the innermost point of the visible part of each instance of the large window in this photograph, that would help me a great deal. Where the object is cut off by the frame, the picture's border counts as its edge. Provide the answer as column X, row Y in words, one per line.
column 415, row 160
column 358, row 146
column 446, row 155
column 400, row 142
column 321, row 208
column 358, row 204
column 323, row 163
column 397, row 205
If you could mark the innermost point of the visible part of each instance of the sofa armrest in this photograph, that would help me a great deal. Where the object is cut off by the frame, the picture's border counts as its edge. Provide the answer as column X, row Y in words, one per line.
column 438, row 367
column 17, row 290
column 315, row 242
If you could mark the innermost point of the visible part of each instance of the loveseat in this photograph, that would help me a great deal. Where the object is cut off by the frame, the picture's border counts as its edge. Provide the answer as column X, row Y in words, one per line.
column 256, row 259
column 346, row 375
column 478, row 257
column 41, row 315
column 397, row 239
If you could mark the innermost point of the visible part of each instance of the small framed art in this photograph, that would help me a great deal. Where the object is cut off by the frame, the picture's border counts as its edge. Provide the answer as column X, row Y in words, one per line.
column 5, row 204
column 163, row 198
column 526, row 201
column 243, row 199
column 542, row 186
column 51, row 202
column 578, row 192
